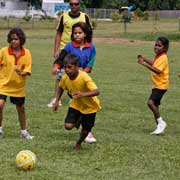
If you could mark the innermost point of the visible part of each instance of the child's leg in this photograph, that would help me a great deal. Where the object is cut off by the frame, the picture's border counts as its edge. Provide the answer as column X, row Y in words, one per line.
column 19, row 102
column 21, row 114
column 22, row 120
column 88, row 121
column 72, row 118
column 83, row 135
column 153, row 103
column 154, row 108
column 2, row 103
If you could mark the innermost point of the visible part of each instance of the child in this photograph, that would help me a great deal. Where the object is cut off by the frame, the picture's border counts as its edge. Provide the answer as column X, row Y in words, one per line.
column 82, row 47
column 84, row 103
column 160, row 77
column 15, row 65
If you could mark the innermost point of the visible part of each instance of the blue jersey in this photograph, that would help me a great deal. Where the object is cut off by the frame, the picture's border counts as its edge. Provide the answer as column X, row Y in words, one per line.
column 86, row 55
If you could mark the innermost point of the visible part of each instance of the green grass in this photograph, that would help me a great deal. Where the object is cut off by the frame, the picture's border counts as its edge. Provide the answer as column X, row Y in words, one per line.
column 137, row 29
column 124, row 148
column 143, row 30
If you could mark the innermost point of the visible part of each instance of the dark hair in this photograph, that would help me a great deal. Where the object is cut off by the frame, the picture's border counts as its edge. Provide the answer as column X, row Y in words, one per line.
column 85, row 28
column 165, row 42
column 71, row 59
column 20, row 34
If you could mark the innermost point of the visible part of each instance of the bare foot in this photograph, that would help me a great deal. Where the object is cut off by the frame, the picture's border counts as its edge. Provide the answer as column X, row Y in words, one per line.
column 77, row 147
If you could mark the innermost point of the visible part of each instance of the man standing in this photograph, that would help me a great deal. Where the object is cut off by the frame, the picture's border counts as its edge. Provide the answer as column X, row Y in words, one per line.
column 63, row 36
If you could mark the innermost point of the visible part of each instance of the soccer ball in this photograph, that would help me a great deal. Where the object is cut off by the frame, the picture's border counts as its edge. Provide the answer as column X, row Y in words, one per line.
column 25, row 160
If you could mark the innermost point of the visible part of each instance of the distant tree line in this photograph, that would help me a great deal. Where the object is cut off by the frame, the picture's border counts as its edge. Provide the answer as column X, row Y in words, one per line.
column 108, row 4
column 142, row 4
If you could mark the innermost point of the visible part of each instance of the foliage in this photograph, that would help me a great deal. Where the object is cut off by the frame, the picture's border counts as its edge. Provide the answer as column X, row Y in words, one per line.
column 146, row 15
column 94, row 24
column 115, row 16
column 27, row 18
column 139, row 12
column 126, row 17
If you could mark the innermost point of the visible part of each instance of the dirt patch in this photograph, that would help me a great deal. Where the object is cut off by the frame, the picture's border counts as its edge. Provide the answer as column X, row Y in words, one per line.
column 124, row 40
column 120, row 40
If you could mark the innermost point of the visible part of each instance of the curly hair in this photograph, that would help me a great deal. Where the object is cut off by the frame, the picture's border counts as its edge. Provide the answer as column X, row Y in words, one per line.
column 20, row 34
column 85, row 28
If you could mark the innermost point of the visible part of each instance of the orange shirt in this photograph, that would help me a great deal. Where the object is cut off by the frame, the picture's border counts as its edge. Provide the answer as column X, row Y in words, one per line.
column 161, row 81
column 12, row 84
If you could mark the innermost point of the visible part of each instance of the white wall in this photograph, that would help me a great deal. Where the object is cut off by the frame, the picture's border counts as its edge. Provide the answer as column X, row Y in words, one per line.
column 13, row 5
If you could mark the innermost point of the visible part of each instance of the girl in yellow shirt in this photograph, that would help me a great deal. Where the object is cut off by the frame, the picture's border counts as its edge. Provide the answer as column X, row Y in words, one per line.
column 15, row 65
column 160, row 77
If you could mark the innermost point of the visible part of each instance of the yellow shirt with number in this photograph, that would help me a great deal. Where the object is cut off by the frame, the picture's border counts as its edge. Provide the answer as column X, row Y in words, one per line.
column 12, row 84
column 82, row 83
column 161, row 81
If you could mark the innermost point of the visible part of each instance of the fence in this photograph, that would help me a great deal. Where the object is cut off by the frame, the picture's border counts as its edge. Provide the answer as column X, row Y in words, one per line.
column 100, row 13
column 8, row 21
column 35, row 23
column 94, row 13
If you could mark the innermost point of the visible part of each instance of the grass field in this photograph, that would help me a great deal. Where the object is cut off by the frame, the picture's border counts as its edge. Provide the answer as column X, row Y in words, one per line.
column 124, row 148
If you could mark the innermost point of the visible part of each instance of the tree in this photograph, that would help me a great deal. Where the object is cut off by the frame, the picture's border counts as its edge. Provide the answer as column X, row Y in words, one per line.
column 36, row 3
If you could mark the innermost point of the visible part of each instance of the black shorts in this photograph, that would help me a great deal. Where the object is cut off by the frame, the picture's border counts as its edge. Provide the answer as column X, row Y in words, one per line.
column 157, row 95
column 87, row 120
column 15, row 100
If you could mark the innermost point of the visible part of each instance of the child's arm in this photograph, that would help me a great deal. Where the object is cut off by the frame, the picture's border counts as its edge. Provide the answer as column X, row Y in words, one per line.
column 58, row 63
column 148, row 64
column 56, row 69
column 21, row 73
column 86, row 94
column 141, row 58
column 59, row 93
column 90, row 64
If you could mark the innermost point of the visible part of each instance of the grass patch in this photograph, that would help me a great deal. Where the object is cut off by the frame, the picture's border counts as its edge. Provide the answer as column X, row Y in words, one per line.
column 124, row 148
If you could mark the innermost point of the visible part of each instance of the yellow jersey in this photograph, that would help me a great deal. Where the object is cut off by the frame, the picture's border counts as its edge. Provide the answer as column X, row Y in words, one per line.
column 161, row 81
column 82, row 83
column 12, row 84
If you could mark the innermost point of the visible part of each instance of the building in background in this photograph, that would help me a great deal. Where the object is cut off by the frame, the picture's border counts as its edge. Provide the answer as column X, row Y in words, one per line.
column 53, row 7
column 7, row 5
column 20, row 8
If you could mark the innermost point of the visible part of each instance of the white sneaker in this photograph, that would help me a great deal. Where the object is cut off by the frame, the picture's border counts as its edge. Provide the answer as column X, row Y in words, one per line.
column 90, row 138
column 52, row 102
column 26, row 136
column 160, row 128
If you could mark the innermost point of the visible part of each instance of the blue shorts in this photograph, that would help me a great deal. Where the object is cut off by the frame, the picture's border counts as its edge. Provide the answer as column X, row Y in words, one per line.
column 60, row 74
column 157, row 95
column 15, row 100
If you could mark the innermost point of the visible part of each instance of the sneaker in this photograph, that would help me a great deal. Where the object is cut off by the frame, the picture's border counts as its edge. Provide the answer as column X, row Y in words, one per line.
column 160, row 128
column 52, row 102
column 90, row 138
column 26, row 136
